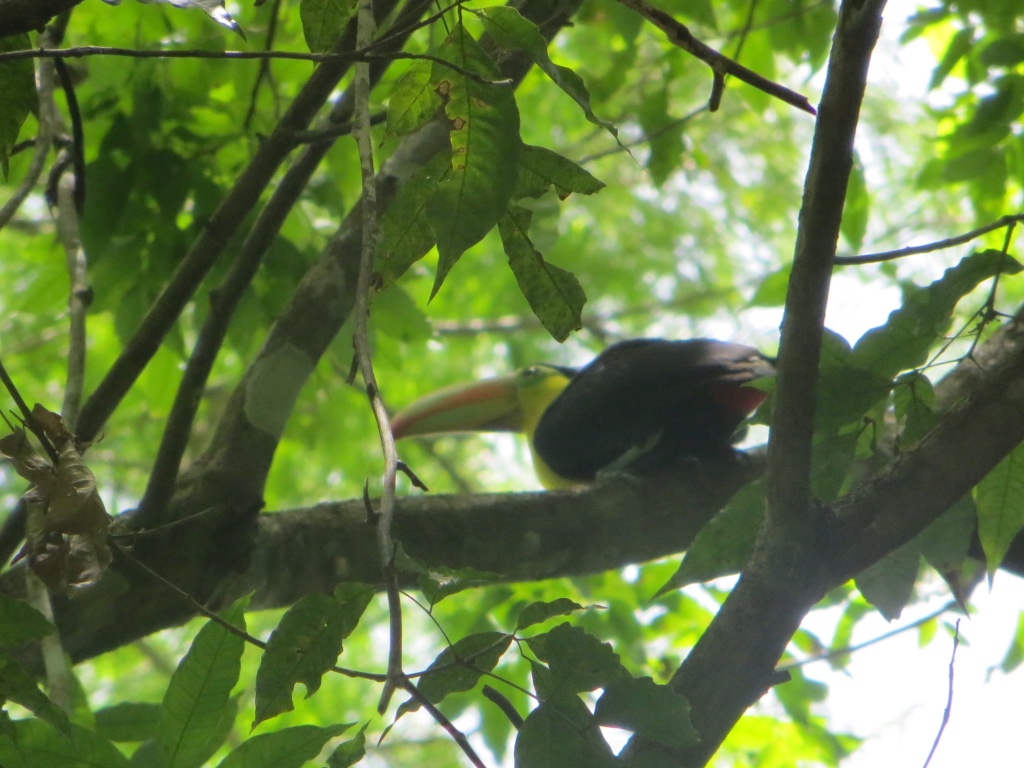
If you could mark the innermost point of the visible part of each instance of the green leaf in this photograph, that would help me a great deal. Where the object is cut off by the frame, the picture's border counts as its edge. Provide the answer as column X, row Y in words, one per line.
column 511, row 31
column 37, row 745
column 652, row 711
column 404, row 562
column 664, row 134
column 540, row 169
column 914, row 407
column 542, row 610
column 445, row 582
column 1000, row 500
column 1003, row 52
column 16, row 685
column 399, row 317
column 406, row 235
column 1015, row 653
column 723, row 546
column 797, row 695
column 17, row 94
column 323, row 21
column 483, row 125
column 198, row 693
column 998, row 111
column 306, row 645
column 956, row 50
column 975, row 163
column 772, row 290
column 413, row 102
column 287, row 748
column 562, row 734
column 889, row 584
column 946, row 541
column 905, row 339
column 128, row 721
column 858, row 204
column 578, row 661
column 854, row 611
column 350, row 752
column 460, row 666
column 20, row 623
column 554, row 295
column 845, row 393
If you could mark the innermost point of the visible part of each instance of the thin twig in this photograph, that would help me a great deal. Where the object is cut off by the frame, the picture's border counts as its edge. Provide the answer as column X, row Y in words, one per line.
column 360, row 342
column 989, row 309
column 42, row 144
column 744, row 31
column 59, row 679
column 680, row 36
column 949, row 696
column 79, row 296
column 938, row 245
column 217, row 619
column 501, row 701
column 360, row 55
column 834, row 653
column 458, row 736
column 264, row 73
column 26, row 416
column 466, row 73
column 87, row 51
column 333, row 131
column 646, row 138
column 77, row 147
column 58, row 676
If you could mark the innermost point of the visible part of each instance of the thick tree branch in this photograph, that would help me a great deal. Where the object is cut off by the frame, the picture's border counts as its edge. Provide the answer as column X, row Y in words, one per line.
column 831, row 161
column 216, row 556
column 732, row 665
column 522, row 536
column 922, row 483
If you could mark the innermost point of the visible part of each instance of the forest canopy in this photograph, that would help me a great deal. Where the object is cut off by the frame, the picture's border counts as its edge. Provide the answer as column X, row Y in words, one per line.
column 236, row 240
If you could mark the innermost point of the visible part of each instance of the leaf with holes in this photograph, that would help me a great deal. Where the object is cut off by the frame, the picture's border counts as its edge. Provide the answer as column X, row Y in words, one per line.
column 483, row 124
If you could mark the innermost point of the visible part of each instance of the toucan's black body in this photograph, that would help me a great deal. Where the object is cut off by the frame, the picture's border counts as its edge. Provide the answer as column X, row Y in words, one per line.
column 639, row 406
column 643, row 403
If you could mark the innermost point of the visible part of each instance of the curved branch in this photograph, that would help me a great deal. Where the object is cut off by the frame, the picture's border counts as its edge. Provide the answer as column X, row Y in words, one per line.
column 721, row 65
column 281, row 556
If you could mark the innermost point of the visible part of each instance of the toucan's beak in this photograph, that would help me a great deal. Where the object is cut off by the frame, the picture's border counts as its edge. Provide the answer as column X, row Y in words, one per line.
column 491, row 405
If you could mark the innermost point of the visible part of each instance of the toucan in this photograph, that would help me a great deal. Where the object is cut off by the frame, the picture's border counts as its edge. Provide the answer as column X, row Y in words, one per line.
column 638, row 407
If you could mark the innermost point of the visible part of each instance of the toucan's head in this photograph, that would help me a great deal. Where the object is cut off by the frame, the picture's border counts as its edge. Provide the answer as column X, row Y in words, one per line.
column 512, row 403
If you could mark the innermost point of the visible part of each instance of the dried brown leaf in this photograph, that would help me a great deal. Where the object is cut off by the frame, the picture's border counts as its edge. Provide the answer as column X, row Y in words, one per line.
column 27, row 462
column 75, row 504
column 53, row 425
column 66, row 526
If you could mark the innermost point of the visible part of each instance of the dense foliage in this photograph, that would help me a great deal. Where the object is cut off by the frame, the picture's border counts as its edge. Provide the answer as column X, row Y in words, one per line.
column 550, row 179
